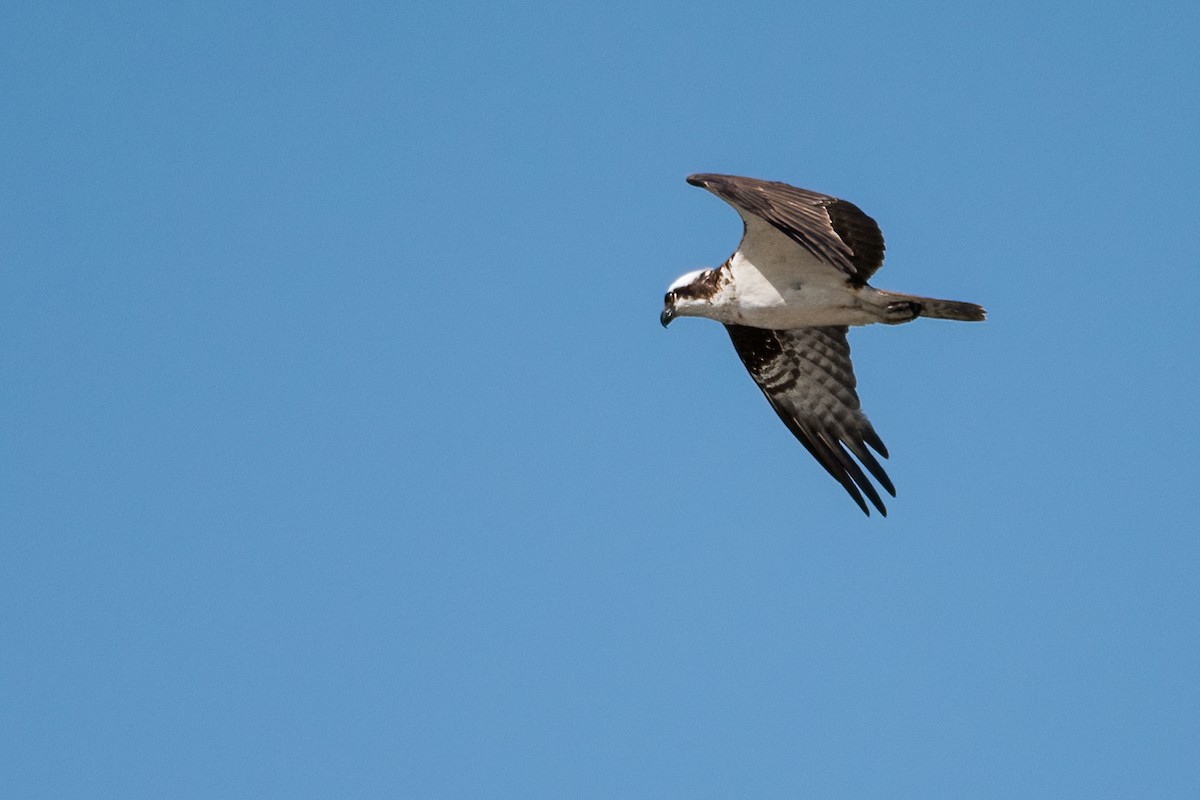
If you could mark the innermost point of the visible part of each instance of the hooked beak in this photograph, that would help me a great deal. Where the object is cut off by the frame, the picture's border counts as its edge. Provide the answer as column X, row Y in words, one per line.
column 668, row 314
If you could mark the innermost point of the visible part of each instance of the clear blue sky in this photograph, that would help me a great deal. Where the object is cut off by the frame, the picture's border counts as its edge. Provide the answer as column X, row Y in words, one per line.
column 342, row 454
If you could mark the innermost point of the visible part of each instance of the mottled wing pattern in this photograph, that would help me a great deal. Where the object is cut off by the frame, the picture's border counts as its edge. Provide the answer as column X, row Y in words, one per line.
column 808, row 379
column 835, row 231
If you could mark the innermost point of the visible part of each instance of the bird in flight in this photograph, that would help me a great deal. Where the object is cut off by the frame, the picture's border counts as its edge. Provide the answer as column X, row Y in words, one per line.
column 787, row 297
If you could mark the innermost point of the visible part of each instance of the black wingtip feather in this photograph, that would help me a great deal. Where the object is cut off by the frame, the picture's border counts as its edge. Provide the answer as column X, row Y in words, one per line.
column 872, row 465
column 872, row 438
column 840, row 466
column 853, row 471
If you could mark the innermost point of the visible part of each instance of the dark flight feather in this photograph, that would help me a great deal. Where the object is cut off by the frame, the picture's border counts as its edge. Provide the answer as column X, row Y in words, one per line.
column 835, row 231
column 807, row 377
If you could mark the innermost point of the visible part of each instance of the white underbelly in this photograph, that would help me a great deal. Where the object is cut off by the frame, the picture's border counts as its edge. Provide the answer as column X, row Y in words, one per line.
column 801, row 308
column 786, row 317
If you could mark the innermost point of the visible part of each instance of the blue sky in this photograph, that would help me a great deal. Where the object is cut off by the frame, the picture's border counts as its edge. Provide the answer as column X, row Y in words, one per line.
column 343, row 454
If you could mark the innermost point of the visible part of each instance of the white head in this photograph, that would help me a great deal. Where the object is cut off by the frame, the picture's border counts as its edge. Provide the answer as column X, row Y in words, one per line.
column 689, row 295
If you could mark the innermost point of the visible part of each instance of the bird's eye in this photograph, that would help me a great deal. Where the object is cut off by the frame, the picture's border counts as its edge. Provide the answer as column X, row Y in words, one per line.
column 669, row 299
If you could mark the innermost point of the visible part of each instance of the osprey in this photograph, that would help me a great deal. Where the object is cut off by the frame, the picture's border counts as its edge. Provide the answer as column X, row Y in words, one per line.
column 787, row 297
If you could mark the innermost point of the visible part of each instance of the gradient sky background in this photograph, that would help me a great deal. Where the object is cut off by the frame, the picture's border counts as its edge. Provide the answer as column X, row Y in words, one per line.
column 342, row 453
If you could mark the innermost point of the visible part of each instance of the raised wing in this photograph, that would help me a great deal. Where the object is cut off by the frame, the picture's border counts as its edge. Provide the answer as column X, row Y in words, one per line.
column 835, row 231
column 808, row 379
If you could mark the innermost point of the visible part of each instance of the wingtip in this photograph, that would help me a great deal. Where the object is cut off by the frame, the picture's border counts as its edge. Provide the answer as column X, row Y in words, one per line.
column 872, row 438
column 880, row 507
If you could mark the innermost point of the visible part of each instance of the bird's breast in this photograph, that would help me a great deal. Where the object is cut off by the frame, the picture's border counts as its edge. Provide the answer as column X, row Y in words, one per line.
column 795, row 306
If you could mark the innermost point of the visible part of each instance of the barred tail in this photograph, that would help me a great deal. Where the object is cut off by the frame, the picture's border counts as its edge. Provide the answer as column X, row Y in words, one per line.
column 947, row 309
column 952, row 309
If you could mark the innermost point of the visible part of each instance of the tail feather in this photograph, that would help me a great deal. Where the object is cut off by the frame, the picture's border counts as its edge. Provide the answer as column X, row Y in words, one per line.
column 948, row 309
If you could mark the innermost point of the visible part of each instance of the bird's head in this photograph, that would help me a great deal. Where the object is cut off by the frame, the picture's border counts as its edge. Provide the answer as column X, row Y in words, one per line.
column 688, row 295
